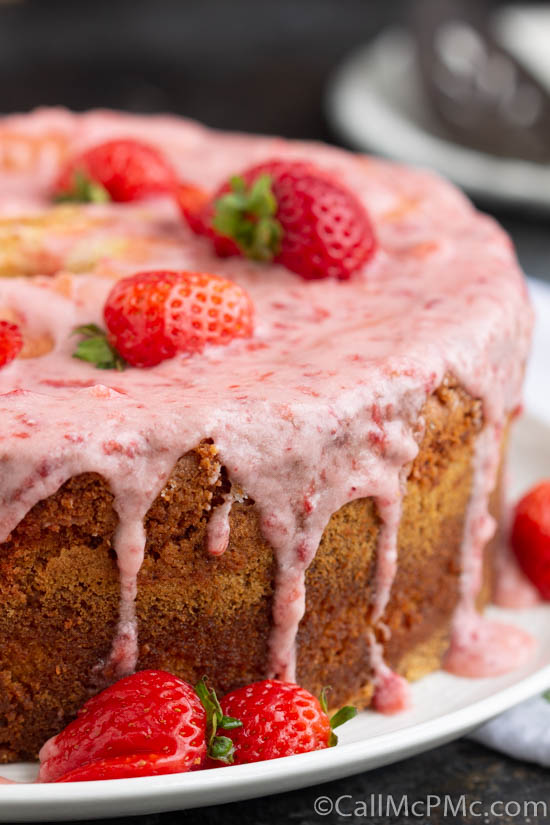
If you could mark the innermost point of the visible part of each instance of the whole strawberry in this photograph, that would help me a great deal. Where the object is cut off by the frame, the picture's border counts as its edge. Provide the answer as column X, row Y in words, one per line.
column 148, row 723
column 119, row 170
column 290, row 212
column 279, row 719
column 530, row 536
column 152, row 316
column 11, row 342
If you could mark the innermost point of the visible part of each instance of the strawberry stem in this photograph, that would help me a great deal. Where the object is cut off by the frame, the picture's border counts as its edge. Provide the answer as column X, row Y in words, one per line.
column 247, row 215
column 96, row 349
column 83, row 190
column 219, row 747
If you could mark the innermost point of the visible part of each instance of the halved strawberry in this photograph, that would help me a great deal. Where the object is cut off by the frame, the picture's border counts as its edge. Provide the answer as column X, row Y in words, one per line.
column 152, row 316
column 148, row 723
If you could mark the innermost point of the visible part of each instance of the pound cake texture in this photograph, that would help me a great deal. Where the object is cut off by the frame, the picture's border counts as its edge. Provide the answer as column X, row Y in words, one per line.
column 313, row 503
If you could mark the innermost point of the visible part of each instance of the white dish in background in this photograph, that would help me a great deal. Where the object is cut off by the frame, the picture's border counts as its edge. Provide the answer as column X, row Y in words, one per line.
column 375, row 103
column 444, row 706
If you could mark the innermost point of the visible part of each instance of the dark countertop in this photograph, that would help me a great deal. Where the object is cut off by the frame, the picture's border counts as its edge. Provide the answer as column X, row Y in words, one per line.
column 258, row 66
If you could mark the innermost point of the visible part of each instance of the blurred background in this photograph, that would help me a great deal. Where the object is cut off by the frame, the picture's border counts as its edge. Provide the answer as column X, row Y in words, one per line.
column 424, row 81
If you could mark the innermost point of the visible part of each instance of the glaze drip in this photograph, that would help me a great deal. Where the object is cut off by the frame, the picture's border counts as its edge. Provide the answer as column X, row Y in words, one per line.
column 478, row 646
column 218, row 528
column 130, row 549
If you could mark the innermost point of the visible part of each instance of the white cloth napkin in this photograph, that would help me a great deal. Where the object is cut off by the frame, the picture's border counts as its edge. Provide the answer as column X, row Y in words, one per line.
column 524, row 731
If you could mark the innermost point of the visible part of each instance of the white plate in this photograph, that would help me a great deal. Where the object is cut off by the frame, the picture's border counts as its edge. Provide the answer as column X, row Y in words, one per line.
column 375, row 103
column 444, row 706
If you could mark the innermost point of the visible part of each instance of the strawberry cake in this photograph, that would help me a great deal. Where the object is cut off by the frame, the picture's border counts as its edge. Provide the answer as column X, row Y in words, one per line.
column 254, row 400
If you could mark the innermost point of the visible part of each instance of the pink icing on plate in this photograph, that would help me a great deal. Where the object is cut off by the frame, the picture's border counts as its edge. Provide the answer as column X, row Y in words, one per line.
column 392, row 693
column 321, row 407
column 486, row 648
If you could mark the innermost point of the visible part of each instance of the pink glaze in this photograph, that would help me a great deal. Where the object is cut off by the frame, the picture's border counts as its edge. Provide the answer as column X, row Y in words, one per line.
column 391, row 692
column 486, row 648
column 389, row 510
column 218, row 529
column 321, row 407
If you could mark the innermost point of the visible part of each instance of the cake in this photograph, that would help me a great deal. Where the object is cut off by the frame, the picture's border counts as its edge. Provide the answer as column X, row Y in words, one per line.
column 315, row 503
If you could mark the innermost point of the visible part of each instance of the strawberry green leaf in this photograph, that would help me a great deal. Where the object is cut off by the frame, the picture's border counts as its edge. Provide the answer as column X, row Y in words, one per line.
column 83, row 190
column 209, row 701
column 88, row 330
column 219, row 747
column 323, row 700
column 248, row 216
column 96, row 349
column 342, row 716
column 546, row 695
column 261, row 200
column 230, row 723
